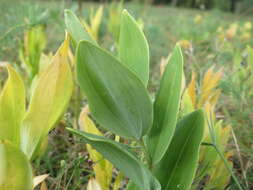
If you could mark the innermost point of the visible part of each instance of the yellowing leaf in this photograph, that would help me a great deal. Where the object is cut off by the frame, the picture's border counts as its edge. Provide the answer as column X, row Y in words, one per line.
column 215, row 96
column 48, row 102
column 95, row 21
column 39, row 179
column 209, row 83
column 93, row 185
column 192, row 89
column 15, row 169
column 12, row 107
column 220, row 176
column 103, row 169
column 43, row 186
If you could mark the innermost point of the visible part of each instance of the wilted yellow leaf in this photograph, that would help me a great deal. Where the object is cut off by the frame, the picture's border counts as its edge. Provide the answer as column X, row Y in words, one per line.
column 48, row 102
column 220, row 176
column 102, row 168
column 215, row 96
column 43, row 186
column 39, row 179
column 192, row 89
column 210, row 82
column 93, row 185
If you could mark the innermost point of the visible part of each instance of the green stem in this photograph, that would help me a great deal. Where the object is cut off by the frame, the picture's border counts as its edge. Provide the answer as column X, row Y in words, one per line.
column 146, row 154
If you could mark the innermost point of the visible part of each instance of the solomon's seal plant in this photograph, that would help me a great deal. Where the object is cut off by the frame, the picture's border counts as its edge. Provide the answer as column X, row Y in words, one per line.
column 116, row 89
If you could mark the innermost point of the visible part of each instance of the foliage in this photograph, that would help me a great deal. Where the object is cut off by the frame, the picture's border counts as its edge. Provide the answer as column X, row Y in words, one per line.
column 208, row 39
column 119, row 102
column 31, row 51
column 26, row 131
column 212, row 171
column 93, row 26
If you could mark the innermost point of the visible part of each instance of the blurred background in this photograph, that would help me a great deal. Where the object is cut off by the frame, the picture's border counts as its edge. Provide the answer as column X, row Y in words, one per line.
column 216, row 37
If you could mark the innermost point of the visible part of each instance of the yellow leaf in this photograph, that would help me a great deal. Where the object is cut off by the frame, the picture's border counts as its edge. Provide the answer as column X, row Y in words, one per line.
column 48, row 102
column 102, row 168
column 43, row 186
column 220, row 176
column 209, row 83
column 192, row 89
column 215, row 96
column 39, row 179
column 12, row 107
column 95, row 21
column 93, row 185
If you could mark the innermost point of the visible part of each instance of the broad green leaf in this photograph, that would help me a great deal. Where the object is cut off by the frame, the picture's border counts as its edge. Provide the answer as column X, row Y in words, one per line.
column 132, row 186
column 48, row 101
column 117, row 99
column 133, row 47
column 177, row 168
column 121, row 158
column 15, row 169
column 166, row 107
column 12, row 107
column 76, row 29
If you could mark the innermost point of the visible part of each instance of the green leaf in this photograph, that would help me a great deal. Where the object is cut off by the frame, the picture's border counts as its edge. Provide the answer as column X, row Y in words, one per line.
column 132, row 186
column 12, row 107
column 15, row 169
column 133, row 47
column 76, row 29
column 48, row 102
column 177, row 168
column 166, row 107
column 118, row 100
column 121, row 158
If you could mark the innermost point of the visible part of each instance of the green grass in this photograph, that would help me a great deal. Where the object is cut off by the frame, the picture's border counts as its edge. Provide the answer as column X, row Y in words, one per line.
column 66, row 159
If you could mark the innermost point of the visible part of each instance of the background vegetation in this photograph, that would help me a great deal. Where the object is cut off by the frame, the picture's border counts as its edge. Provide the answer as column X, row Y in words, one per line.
column 210, row 38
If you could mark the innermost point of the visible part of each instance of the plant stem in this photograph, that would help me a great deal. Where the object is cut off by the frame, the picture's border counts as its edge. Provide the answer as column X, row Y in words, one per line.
column 146, row 154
